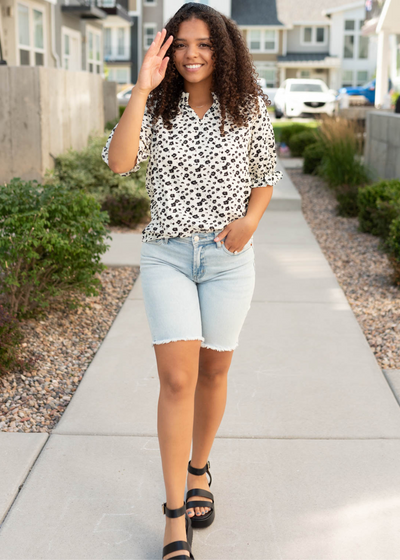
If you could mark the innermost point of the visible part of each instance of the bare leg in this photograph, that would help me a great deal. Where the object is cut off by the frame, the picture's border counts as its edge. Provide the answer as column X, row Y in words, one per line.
column 210, row 401
column 177, row 364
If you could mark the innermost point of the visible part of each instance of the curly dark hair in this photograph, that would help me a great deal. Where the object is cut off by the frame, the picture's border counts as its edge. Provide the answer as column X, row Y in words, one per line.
column 234, row 79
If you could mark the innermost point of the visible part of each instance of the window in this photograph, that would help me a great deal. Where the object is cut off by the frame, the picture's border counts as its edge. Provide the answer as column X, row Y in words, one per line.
column 107, row 42
column 362, row 77
column 97, row 49
column 261, row 40
column 307, row 35
column 23, row 34
column 305, row 73
column 269, row 40
column 348, row 46
column 355, row 44
column 267, row 73
column 320, row 35
column 67, row 52
column 347, row 78
column 93, row 63
column 149, row 3
column 121, row 41
column 305, row 87
column 120, row 75
column 116, row 43
column 149, row 33
column 71, row 53
column 313, row 36
column 30, row 35
column 363, row 43
column 255, row 40
column 38, row 37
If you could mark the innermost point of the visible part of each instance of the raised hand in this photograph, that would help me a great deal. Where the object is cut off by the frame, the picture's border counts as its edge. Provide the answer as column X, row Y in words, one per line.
column 154, row 63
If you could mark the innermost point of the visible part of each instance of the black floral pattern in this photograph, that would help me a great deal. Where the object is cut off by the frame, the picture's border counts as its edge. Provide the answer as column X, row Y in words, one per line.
column 198, row 180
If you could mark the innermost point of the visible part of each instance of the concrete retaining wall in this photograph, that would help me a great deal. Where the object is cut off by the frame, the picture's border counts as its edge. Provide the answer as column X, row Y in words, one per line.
column 382, row 147
column 45, row 111
column 111, row 110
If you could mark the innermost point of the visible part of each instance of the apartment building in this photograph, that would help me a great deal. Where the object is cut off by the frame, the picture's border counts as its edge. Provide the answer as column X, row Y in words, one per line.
column 323, row 40
column 286, row 38
column 71, row 34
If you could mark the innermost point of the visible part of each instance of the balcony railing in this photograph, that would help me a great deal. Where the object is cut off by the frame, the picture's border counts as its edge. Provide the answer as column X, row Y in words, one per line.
column 98, row 3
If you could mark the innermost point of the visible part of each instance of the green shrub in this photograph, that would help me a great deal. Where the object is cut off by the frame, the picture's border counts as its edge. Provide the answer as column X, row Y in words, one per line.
column 313, row 155
column 85, row 170
column 299, row 142
column 347, row 198
column 393, row 247
column 121, row 110
column 379, row 205
column 51, row 243
column 341, row 164
column 126, row 209
column 292, row 129
column 10, row 338
column 110, row 124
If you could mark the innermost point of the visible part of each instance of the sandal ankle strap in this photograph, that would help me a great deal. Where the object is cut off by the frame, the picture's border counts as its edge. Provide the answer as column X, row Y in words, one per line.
column 199, row 472
column 178, row 512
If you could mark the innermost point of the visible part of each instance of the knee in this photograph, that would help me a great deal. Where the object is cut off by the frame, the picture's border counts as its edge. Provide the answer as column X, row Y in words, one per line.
column 212, row 375
column 178, row 384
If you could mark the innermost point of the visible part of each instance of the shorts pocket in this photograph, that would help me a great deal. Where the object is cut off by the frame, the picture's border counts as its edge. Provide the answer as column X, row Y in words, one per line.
column 245, row 248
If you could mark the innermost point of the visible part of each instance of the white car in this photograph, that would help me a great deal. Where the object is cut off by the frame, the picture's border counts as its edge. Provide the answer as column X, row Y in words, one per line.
column 296, row 97
column 124, row 96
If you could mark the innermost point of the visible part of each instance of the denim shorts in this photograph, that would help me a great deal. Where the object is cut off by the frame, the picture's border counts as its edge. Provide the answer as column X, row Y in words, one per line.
column 195, row 289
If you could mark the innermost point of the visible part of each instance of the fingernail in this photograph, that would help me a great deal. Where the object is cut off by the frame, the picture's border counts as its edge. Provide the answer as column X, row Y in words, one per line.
column 216, row 239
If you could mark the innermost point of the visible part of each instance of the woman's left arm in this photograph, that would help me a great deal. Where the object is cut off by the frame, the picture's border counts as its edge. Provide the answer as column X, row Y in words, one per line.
column 258, row 203
column 243, row 228
column 263, row 176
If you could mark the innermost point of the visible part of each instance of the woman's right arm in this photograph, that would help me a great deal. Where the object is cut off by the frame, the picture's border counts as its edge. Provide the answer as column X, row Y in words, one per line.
column 124, row 145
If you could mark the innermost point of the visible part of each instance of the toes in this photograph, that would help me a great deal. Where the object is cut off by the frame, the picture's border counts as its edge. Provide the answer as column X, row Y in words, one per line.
column 190, row 512
column 198, row 511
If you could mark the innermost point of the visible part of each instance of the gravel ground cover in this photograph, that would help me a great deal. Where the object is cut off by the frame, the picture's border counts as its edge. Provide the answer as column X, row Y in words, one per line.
column 63, row 343
column 361, row 268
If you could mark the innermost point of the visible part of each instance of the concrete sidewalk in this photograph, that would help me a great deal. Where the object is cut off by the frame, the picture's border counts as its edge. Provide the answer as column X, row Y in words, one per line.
column 306, row 461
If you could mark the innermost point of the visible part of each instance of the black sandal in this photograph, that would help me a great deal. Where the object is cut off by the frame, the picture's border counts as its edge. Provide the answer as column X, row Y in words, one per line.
column 201, row 521
column 179, row 545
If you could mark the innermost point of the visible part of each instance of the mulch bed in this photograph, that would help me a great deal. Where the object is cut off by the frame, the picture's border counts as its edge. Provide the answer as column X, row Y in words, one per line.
column 361, row 268
column 63, row 343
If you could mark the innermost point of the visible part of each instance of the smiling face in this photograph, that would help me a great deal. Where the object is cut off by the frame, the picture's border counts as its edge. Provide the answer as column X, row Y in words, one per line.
column 193, row 51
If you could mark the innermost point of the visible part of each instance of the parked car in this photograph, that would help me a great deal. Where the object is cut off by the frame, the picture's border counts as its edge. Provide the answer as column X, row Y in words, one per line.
column 124, row 96
column 296, row 97
column 367, row 90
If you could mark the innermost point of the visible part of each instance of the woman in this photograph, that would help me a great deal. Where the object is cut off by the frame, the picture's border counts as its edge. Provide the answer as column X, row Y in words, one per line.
column 197, row 112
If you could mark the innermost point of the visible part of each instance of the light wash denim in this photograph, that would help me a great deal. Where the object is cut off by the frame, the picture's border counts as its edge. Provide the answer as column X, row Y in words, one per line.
column 195, row 289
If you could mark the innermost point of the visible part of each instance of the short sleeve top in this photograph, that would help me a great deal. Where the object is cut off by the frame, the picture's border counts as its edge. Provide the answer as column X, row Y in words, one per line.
column 197, row 179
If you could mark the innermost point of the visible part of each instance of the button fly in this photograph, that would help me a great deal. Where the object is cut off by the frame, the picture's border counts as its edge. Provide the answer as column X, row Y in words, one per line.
column 196, row 237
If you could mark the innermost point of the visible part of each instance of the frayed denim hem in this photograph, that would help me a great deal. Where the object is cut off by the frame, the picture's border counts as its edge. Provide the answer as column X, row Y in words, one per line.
column 176, row 340
column 218, row 348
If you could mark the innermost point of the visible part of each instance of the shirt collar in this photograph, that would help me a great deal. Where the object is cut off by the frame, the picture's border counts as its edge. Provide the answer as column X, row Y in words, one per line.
column 184, row 100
